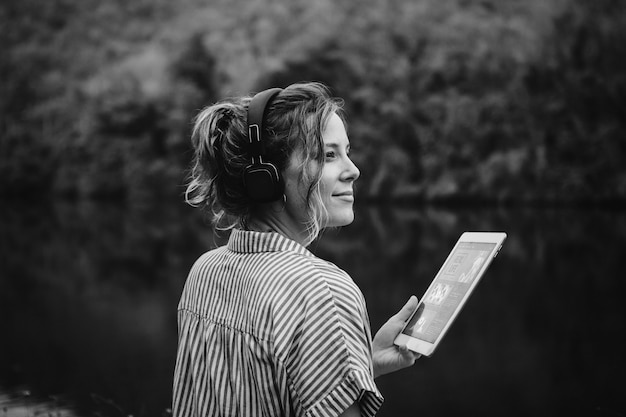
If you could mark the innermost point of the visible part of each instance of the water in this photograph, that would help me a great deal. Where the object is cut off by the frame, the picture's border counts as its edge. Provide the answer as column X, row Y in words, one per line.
column 88, row 296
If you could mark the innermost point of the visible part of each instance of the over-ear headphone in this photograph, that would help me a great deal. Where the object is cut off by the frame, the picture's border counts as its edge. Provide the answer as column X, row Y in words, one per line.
column 261, row 179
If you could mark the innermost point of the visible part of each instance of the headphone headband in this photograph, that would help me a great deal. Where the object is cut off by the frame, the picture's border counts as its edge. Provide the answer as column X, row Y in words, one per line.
column 261, row 179
column 256, row 117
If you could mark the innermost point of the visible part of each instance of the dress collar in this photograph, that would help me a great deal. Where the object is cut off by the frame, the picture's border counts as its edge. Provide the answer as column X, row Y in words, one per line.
column 246, row 241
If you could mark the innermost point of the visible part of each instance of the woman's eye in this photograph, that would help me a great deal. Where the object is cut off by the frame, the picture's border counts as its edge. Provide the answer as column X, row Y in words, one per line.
column 330, row 154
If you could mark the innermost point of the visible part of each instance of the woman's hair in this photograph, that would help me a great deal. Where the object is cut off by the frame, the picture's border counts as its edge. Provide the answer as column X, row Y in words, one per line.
column 294, row 122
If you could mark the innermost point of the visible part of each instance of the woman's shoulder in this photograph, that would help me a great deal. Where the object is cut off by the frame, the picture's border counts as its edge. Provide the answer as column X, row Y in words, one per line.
column 311, row 264
column 208, row 257
column 328, row 269
column 314, row 274
column 211, row 253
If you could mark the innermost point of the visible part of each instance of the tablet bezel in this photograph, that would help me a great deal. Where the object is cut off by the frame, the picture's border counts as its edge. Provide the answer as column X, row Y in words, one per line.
column 427, row 348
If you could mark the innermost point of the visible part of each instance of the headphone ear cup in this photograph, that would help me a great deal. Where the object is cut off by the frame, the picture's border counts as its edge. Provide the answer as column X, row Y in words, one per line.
column 263, row 182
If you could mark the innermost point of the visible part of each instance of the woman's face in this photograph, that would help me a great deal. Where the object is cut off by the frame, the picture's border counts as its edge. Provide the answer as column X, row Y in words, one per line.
column 336, row 184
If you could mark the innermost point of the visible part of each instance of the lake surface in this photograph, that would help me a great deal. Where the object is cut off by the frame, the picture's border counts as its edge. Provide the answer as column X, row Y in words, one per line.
column 88, row 295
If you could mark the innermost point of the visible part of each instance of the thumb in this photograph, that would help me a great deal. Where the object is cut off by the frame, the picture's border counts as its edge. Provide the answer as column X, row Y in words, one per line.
column 406, row 311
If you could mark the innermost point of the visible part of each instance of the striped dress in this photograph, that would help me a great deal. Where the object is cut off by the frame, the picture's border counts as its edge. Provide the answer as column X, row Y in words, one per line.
column 268, row 329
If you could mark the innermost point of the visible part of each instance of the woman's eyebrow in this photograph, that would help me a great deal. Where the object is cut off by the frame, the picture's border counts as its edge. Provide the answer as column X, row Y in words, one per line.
column 335, row 145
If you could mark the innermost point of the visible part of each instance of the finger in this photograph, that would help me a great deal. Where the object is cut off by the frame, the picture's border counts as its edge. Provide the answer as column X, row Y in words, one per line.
column 408, row 309
column 408, row 353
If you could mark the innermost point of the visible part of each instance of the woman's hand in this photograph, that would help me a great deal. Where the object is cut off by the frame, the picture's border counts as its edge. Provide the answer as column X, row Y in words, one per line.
column 388, row 357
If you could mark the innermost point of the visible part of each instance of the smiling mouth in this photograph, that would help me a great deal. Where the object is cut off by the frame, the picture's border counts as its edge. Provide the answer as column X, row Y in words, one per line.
column 347, row 196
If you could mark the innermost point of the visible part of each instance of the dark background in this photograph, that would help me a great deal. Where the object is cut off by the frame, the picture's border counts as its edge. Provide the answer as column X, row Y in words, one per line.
column 499, row 101
column 88, row 302
column 463, row 115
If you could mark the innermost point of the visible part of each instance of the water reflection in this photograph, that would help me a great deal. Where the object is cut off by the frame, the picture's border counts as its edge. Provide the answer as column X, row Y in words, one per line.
column 23, row 405
column 88, row 295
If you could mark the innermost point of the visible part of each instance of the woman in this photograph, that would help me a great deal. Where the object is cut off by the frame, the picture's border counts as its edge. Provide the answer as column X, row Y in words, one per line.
column 265, row 327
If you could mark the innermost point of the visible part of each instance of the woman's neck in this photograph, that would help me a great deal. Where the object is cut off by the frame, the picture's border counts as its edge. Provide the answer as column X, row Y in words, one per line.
column 276, row 222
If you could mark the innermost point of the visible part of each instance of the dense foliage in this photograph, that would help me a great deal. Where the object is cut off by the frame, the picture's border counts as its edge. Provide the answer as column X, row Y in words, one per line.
column 447, row 99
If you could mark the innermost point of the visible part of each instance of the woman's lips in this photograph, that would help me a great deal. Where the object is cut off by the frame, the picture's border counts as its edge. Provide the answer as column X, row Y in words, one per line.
column 346, row 196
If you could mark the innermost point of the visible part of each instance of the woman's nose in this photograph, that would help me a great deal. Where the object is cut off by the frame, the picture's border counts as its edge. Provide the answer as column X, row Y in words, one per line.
column 351, row 172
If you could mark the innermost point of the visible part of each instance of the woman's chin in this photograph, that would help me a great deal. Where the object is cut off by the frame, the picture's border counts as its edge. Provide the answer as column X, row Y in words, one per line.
column 341, row 220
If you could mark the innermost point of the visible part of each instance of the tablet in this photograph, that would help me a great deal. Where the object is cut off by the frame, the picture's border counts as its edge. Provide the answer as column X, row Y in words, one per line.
column 452, row 286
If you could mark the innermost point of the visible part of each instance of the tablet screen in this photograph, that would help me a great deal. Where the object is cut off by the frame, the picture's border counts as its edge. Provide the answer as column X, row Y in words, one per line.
column 448, row 290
